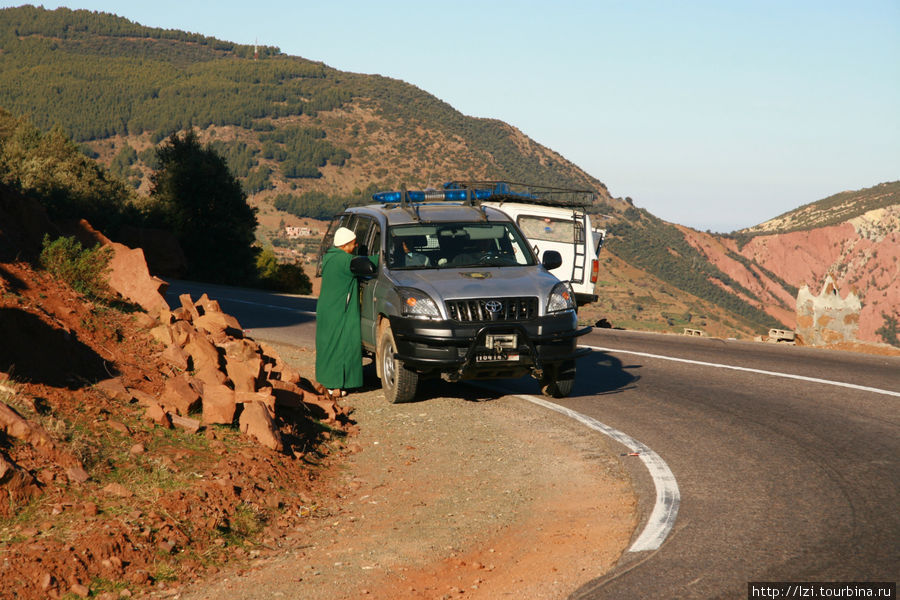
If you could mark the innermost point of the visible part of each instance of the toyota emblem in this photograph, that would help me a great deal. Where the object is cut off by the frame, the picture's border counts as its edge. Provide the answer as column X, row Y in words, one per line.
column 493, row 306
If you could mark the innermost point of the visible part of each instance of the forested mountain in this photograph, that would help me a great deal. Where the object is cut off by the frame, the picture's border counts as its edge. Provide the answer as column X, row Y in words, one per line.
column 286, row 125
column 305, row 139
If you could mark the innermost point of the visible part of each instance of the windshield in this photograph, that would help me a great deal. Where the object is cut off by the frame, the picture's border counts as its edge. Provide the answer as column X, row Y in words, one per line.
column 449, row 245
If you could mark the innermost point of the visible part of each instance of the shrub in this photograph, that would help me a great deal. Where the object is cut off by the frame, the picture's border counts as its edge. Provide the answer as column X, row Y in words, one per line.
column 84, row 270
column 287, row 278
column 889, row 330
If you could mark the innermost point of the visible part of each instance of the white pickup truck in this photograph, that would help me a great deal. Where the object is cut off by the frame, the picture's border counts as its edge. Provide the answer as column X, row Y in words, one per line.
column 552, row 219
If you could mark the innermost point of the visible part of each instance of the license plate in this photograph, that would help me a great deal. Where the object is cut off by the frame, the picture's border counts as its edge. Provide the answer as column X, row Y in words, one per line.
column 496, row 356
column 501, row 341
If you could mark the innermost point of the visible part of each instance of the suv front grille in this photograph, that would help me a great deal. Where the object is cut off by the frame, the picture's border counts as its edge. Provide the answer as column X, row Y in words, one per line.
column 493, row 309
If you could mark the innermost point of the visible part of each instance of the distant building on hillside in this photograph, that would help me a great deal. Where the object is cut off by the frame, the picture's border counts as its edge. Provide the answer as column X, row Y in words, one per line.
column 295, row 232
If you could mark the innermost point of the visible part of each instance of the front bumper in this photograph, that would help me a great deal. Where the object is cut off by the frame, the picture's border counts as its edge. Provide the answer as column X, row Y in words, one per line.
column 454, row 347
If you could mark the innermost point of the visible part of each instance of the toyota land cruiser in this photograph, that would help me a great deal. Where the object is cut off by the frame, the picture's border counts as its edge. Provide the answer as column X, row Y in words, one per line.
column 458, row 293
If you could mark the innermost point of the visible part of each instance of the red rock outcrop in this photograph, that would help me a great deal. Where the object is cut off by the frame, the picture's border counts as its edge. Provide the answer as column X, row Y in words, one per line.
column 862, row 254
column 828, row 318
column 227, row 377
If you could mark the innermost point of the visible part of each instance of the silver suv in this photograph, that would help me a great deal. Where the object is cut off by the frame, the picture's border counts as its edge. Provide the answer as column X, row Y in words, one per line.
column 458, row 293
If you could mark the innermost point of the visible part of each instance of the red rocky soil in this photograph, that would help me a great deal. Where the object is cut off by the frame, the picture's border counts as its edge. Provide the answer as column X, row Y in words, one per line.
column 99, row 492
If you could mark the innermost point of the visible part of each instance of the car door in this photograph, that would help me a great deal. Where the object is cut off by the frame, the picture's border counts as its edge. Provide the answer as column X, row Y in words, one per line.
column 561, row 232
column 368, row 234
column 341, row 220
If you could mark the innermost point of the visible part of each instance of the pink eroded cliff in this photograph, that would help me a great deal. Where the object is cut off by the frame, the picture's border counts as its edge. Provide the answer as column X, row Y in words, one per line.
column 863, row 254
column 773, row 298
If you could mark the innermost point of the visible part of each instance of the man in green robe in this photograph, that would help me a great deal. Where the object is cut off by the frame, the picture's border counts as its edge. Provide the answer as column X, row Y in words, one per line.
column 338, row 343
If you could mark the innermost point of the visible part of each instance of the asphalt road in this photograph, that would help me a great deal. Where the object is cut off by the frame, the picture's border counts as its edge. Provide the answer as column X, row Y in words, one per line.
column 781, row 479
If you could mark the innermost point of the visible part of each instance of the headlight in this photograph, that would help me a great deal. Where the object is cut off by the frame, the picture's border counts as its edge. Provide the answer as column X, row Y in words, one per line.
column 416, row 303
column 561, row 298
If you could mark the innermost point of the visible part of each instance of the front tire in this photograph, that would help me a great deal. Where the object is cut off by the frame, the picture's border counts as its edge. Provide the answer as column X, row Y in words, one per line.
column 398, row 382
column 559, row 380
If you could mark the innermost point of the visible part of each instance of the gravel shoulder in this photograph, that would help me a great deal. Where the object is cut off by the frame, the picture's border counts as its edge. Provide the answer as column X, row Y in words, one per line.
column 468, row 495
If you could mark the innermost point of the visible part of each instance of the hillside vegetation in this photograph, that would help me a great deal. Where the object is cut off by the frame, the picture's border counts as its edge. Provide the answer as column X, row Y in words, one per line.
column 660, row 249
column 305, row 140
column 829, row 211
column 285, row 123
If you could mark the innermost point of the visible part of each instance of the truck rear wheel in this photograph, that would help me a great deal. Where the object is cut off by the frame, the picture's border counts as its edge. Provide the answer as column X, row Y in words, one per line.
column 558, row 380
column 398, row 382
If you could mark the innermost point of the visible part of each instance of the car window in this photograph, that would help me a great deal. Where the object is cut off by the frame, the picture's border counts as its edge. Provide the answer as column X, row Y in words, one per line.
column 362, row 227
column 551, row 230
column 456, row 245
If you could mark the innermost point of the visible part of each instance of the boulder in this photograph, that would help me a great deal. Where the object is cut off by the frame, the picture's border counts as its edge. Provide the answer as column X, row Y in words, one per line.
column 217, row 323
column 181, row 332
column 218, row 405
column 129, row 276
column 188, row 305
column 176, row 357
column 156, row 414
column 205, row 305
column 163, row 334
column 240, row 349
column 186, row 423
column 114, row 388
column 203, row 354
column 17, row 485
column 179, row 397
column 256, row 422
column 264, row 395
column 244, row 374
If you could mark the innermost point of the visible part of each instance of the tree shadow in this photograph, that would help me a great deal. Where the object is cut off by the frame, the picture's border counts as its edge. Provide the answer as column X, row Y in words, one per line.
column 12, row 281
column 34, row 351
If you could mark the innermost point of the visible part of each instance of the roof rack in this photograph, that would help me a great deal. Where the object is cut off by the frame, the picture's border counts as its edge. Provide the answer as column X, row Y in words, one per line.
column 507, row 191
column 475, row 192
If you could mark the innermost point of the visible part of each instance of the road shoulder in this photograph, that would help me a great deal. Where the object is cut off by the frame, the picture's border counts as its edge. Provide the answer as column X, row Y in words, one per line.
column 471, row 496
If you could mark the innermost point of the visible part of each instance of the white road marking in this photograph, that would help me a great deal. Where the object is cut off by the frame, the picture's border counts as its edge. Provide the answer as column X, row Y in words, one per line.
column 665, row 509
column 749, row 370
column 275, row 306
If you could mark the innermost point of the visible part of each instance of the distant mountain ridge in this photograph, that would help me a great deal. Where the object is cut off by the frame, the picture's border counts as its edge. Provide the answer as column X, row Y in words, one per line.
column 832, row 210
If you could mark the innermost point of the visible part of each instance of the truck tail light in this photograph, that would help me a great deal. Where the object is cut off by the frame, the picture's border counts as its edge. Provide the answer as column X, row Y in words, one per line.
column 595, row 270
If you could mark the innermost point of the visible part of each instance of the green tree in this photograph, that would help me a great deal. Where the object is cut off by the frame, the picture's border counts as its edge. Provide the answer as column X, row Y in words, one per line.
column 202, row 202
column 53, row 169
column 889, row 330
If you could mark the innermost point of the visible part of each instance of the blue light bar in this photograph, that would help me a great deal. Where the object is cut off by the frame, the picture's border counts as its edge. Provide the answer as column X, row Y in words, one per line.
column 387, row 197
column 454, row 194
column 420, row 196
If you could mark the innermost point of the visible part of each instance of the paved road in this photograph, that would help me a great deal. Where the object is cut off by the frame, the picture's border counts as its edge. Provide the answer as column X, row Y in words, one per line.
column 780, row 479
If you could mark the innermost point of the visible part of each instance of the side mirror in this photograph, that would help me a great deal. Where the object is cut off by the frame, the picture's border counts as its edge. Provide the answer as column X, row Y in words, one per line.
column 362, row 266
column 551, row 260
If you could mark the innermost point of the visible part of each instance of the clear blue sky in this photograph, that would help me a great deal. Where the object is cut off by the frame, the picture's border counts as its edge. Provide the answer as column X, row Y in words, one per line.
column 713, row 114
